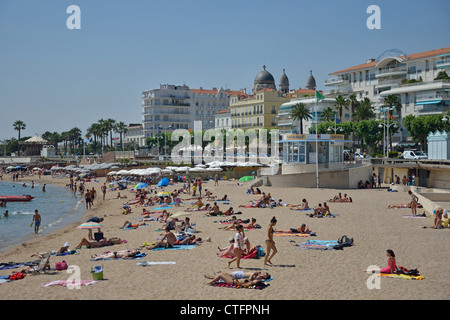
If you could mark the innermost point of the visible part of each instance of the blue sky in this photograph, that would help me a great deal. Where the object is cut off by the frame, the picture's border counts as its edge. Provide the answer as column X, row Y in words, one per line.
column 53, row 78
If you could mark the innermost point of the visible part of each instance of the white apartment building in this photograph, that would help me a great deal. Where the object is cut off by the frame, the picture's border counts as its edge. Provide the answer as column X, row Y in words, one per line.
column 223, row 119
column 135, row 134
column 177, row 107
column 287, row 125
column 410, row 76
column 166, row 109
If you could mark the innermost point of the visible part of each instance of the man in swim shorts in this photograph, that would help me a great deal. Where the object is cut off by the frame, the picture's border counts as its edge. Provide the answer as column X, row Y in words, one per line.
column 37, row 221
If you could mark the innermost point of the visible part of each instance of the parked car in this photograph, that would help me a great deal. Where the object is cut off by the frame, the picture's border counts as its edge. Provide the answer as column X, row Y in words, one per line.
column 413, row 154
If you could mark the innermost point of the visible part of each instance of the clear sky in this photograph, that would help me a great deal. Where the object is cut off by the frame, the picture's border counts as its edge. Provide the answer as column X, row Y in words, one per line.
column 54, row 78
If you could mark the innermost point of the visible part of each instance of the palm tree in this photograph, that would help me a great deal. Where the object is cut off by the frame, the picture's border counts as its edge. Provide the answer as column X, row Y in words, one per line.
column 19, row 126
column 393, row 101
column 110, row 127
column 121, row 128
column 300, row 112
column 327, row 115
column 341, row 103
column 364, row 110
column 75, row 137
column 353, row 101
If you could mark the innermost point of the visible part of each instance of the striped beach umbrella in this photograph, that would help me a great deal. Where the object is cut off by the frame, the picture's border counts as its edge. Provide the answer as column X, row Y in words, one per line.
column 90, row 225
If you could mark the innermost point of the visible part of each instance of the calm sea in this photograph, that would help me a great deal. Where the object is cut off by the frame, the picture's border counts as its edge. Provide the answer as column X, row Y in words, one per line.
column 57, row 206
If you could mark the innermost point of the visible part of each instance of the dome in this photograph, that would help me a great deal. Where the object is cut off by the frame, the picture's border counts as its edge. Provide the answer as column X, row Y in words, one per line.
column 264, row 77
column 311, row 82
column 284, row 79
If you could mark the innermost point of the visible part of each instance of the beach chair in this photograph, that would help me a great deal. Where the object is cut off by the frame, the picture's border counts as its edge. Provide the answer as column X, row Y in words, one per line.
column 45, row 261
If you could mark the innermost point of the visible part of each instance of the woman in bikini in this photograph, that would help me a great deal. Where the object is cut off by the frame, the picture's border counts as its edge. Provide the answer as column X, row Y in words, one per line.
column 270, row 243
column 414, row 201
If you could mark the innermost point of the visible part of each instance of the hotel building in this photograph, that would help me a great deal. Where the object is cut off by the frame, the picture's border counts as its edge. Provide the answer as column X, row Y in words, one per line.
column 177, row 107
column 411, row 77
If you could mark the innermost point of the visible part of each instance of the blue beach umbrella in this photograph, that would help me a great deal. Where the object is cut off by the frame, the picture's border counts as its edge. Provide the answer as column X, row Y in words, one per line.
column 140, row 185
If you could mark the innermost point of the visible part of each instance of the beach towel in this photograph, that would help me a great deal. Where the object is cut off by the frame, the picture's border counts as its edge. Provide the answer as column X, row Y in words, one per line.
column 291, row 234
column 252, row 255
column 178, row 247
column 402, row 276
column 414, row 217
column 138, row 256
column 153, row 263
column 133, row 228
column 162, row 208
column 320, row 245
column 221, row 283
column 65, row 283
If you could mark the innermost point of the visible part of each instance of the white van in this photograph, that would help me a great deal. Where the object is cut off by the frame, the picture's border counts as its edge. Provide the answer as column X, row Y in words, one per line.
column 412, row 154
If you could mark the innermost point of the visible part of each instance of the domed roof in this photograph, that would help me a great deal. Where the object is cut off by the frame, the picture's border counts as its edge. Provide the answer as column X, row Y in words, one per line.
column 284, row 79
column 264, row 77
column 310, row 82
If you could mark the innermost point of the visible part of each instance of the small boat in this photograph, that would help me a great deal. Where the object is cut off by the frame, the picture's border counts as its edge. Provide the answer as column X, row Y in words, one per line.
column 16, row 198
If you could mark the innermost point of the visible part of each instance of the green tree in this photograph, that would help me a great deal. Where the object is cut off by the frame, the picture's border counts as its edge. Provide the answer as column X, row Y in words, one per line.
column 442, row 75
column 327, row 114
column 364, row 110
column 121, row 128
column 353, row 102
column 300, row 112
column 370, row 133
column 393, row 101
column 341, row 103
column 420, row 126
column 19, row 126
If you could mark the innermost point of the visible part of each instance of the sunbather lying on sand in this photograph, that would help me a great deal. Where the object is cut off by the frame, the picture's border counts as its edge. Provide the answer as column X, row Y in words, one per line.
column 302, row 229
column 92, row 244
column 207, row 207
column 122, row 254
column 241, row 274
column 233, row 280
column 128, row 224
column 403, row 205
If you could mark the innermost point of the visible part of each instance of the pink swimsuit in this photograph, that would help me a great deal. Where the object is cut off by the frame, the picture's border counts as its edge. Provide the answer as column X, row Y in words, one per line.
column 388, row 268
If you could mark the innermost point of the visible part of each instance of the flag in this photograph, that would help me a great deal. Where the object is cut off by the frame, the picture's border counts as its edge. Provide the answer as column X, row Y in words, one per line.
column 86, row 140
column 319, row 96
column 390, row 116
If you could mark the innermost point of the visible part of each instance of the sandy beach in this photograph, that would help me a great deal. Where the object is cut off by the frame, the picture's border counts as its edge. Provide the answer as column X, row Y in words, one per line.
column 297, row 274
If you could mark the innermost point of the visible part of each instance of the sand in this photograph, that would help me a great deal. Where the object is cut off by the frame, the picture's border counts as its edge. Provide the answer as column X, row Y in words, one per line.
column 297, row 274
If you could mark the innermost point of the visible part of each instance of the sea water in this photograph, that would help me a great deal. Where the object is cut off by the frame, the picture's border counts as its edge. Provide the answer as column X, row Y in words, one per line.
column 58, row 207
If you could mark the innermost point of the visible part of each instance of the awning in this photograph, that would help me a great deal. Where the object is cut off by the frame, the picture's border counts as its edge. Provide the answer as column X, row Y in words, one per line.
column 428, row 102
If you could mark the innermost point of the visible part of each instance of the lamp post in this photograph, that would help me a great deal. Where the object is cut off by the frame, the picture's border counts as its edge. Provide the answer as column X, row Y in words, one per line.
column 386, row 127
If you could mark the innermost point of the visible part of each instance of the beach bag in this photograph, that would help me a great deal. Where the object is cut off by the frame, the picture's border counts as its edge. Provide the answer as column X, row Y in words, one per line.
column 61, row 265
column 17, row 276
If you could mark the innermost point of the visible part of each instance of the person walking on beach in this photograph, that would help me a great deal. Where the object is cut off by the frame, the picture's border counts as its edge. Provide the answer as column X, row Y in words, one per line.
column 216, row 180
column 104, row 190
column 37, row 221
column 270, row 243
column 414, row 201
column 239, row 246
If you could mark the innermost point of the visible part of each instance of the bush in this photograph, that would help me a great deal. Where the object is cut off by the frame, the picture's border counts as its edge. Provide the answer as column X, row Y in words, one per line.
column 393, row 154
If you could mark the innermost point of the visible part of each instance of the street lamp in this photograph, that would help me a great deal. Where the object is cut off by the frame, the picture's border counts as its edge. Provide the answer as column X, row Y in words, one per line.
column 165, row 135
column 386, row 127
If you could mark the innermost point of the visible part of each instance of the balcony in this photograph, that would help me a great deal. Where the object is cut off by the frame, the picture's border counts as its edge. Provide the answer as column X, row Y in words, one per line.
column 443, row 63
column 391, row 72
column 335, row 81
column 432, row 96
